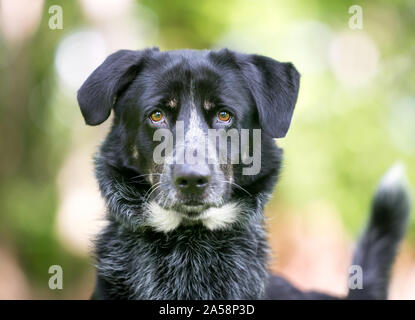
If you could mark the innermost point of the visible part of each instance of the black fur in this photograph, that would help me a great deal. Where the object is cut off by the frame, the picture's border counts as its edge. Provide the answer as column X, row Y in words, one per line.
column 378, row 246
column 134, row 260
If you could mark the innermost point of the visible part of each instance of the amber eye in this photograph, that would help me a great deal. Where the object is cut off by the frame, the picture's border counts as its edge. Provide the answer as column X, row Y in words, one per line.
column 224, row 116
column 156, row 116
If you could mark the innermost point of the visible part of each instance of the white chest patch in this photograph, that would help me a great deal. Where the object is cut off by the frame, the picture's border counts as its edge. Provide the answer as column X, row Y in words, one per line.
column 161, row 219
column 220, row 218
column 165, row 220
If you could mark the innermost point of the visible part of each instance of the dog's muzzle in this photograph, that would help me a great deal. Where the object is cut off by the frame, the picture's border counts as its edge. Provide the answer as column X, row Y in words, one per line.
column 191, row 182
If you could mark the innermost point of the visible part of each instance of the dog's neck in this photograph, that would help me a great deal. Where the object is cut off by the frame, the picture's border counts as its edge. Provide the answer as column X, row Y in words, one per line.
column 190, row 262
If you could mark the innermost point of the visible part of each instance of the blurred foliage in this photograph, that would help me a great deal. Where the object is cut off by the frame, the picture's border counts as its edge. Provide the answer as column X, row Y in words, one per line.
column 32, row 151
column 339, row 145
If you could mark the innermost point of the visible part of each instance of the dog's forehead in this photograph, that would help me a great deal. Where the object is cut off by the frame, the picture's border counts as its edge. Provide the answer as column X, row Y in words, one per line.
column 182, row 65
column 181, row 73
column 182, row 77
column 187, row 54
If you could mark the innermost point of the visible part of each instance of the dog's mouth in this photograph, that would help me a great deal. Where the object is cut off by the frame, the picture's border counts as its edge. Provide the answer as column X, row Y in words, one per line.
column 212, row 216
column 191, row 210
column 178, row 198
column 167, row 196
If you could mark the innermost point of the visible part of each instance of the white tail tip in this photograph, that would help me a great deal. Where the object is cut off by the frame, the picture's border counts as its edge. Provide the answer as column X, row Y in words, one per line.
column 394, row 177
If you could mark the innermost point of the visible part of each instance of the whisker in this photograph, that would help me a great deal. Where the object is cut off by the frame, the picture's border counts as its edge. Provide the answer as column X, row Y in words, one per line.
column 151, row 190
column 144, row 175
column 238, row 186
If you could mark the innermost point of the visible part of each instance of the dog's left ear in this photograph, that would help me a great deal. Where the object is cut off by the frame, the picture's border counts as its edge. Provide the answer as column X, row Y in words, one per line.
column 274, row 86
column 99, row 92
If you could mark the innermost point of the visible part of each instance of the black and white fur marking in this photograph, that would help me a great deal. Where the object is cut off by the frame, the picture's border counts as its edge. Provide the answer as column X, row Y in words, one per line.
column 162, row 243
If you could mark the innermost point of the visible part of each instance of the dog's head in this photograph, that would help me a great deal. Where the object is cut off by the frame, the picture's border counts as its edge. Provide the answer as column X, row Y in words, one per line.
column 193, row 130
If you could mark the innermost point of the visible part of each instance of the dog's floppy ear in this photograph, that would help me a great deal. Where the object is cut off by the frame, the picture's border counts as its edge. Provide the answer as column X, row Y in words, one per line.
column 99, row 92
column 274, row 86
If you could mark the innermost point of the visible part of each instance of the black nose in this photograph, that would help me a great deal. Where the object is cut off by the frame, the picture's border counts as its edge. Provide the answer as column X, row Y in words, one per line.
column 191, row 178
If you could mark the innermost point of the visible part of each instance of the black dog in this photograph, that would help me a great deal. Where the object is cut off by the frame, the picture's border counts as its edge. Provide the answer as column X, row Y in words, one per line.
column 196, row 230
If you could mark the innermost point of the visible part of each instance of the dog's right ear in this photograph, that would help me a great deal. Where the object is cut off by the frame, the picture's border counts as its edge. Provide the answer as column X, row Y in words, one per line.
column 99, row 92
column 273, row 86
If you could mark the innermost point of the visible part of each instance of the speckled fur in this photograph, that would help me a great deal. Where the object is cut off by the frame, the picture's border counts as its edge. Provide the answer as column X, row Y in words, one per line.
column 187, row 260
